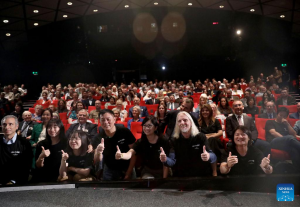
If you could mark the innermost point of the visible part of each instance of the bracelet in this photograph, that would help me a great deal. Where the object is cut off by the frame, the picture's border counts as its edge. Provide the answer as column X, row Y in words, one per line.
column 121, row 155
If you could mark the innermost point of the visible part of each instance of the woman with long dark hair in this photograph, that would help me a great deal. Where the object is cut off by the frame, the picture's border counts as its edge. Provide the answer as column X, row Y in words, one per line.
column 224, row 107
column 76, row 162
column 149, row 148
column 48, row 152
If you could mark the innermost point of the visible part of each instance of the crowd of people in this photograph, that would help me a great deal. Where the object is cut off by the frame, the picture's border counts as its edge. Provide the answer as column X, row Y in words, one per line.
column 198, row 129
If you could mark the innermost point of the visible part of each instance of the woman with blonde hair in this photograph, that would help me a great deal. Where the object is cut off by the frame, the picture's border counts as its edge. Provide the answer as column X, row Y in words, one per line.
column 190, row 149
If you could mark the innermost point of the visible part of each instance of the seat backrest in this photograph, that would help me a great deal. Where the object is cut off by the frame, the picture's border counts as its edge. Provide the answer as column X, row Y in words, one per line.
column 111, row 107
column 31, row 110
column 152, row 108
column 258, row 99
column 63, row 116
column 260, row 124
column 124, row 123
column 276, row 96
column 91, row 108
column 67, row 126
column 127, row 119
column 128, row 107
column 292, row 121
column 136, row 129
column 291, row 108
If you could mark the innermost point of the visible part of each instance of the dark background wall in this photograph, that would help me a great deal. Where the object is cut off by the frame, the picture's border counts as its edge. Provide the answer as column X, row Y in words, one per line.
column 73, row 50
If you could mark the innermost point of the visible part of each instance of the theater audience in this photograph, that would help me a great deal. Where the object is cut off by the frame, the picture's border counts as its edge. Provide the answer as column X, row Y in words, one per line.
column 26, row 126
column 62, row 108
column 152, row 99
column 242, row 158
column 251, row 108
column 18, row 111
column 37, row 115
column 8, row 95
column 15, row 154
column 76, row 163
column 144, row 111
column 296, row 115
column 281, row 135
column 172, row 105
column 285, row 99
column 104, row 97
column 241, row 119
column 136, row 111
column 94, row 114
column 224, row 107
column 212, row 129
column 112, row 102
column 53, row 108
column 72, row 114
column 269, row 112
column 109, row 140
column 149, row 148
column 44, row 100
column 49, row 153
column 190, row 153
column 89, row 101
column 73, row 101
column 264, row 108
column 123, row 112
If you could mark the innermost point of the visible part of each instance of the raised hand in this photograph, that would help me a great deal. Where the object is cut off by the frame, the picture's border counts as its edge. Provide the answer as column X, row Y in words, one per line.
column 231, row 160
column 265, row 162
column 118, row 155
column 162, row 156
column 205, row 154
column 45, row 153
column 100, row 147
column 64, row 155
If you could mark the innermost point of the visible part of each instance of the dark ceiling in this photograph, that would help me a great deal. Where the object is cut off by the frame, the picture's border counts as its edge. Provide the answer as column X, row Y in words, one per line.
column 21, row 16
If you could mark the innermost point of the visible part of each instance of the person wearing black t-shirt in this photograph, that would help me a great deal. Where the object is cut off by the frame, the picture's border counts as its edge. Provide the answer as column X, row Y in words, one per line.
column 48, row 152
column 111, row 137
column 149, row 148
column 282, row 136
column 76, row 163
column 243, row 158
column 15, row 154
column 190, row 149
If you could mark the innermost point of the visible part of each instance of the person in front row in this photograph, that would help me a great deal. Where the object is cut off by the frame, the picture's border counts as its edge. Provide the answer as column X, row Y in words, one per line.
column 241, row 119
column 76, row 162
column 149, row 148
column 281, row 135
column 15, row 154
column 243, row 158
column 190, row 149
column 48, row 152
column 112, row 136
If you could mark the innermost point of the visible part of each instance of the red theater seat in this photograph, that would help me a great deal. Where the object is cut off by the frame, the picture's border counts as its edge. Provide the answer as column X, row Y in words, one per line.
column 291, row 108
column 152, row 109
column 136, row 129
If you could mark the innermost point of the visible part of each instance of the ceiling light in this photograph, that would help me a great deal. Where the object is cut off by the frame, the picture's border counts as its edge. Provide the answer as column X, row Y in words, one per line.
column 252, row 10
column 8, row 34
column 5, row 21
column 126, row 6
column 282, row 16
column 36, row 24
column 69, row 3
column 221, row 6
column 36, row 11
column 65, row 16
column 238, row 32
column 190, row 4
column 95, row 10
column 155, row 3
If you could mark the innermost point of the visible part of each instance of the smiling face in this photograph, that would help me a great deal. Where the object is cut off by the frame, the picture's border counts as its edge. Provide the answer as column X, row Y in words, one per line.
column 53, row 130
column 135, row 113
column 184, row 123
column 46, row 116
column 241, row 138
column 75, row 142
column 82, row 117
column 205, row 112
column 107, row 121
column 238, row 107
column 148, row 128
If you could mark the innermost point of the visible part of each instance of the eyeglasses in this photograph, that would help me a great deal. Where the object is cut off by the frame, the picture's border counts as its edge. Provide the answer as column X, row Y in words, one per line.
column 148, row 126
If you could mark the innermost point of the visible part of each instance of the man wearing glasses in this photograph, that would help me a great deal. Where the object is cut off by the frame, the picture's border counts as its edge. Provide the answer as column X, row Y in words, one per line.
column 241, row 119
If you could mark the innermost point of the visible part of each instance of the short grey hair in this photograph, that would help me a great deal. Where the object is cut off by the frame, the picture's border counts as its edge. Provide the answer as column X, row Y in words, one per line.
column 38, row 106
column 25, row 112
column 137, row 108
column 8, row 117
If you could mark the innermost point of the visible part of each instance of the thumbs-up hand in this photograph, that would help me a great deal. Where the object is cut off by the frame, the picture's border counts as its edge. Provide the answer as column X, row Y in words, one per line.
column 205, row 154
column 118, row 153
column 163, row 156
column 100, row 147
column 45, row 153
column 265, row 162
column 231, row 160
column 64, row 156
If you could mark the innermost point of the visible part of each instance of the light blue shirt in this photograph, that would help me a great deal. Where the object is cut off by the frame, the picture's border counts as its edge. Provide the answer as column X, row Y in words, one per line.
column 11, row 141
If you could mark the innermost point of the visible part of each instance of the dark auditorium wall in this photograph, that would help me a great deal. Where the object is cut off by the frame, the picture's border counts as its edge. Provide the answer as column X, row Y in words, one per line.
column 72, row 50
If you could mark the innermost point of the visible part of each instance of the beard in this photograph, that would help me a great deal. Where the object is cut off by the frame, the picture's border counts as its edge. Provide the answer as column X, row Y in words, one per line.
column 184, row 129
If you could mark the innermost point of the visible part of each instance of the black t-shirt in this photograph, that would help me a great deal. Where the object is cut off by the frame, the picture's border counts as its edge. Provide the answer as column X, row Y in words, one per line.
column 85, row 161
column 248, row 164
column 150, row 152
column 188, row 156
column 122, row 137
column 50, row 170
column 279, row 127
column 213, row 127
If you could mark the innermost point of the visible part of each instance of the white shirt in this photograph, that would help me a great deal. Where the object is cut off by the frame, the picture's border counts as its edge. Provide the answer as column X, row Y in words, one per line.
column 11, row 141
column 237, row 118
